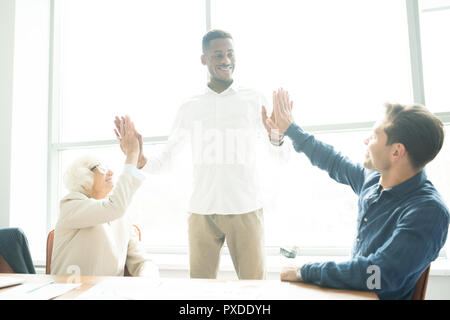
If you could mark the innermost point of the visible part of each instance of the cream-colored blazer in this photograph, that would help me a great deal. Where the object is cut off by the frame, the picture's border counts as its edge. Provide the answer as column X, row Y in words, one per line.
column 95, row 237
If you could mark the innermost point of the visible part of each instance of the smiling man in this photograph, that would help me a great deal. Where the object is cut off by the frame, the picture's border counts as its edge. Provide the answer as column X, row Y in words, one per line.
column 224, row 128
column 402, row 220
column 218, row 56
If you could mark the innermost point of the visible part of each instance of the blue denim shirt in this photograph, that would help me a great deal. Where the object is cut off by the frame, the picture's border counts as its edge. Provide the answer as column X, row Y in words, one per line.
column 400, row 230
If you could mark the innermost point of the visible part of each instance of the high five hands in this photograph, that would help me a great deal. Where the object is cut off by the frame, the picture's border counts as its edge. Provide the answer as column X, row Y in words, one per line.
column 281, row 118
column 129, row 139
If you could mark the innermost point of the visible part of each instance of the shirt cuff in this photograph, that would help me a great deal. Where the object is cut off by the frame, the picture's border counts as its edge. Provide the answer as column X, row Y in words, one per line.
column 131, row 169
column 277, row 142
column 298, row 272
column 293, row 130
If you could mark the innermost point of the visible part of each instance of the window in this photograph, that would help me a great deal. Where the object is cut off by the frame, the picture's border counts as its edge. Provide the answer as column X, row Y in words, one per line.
column 340, row 60
column 136, row 57
column 140, row 58
column 435, row 27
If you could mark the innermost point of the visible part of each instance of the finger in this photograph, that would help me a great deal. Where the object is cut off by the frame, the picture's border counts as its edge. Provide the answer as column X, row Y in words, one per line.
column 117, row 123
column 264, row 116
column 132, row 129
column 131, row 126
column 127, row 124
column 284, row 99
column 122, row 126
column 275, row 108
column 284, row 103
column 283, row 275
column 279, row 106
column 117, row 134
column 288, row 102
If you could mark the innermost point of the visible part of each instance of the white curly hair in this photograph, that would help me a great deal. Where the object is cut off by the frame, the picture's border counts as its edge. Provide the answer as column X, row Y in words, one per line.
column 78, row 176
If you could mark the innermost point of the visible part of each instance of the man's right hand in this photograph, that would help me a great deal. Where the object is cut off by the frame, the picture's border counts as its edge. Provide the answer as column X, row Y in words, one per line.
column 142, row 160
column 281, row 117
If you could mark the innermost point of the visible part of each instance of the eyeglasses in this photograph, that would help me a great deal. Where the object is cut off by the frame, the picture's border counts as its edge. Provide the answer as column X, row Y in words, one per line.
column 100, row 168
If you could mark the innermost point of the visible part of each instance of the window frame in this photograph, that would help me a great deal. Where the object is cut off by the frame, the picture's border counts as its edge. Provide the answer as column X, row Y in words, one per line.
column 54, row 119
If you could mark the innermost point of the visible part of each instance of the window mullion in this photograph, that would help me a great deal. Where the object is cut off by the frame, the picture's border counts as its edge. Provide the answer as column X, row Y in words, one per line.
column 415, row 50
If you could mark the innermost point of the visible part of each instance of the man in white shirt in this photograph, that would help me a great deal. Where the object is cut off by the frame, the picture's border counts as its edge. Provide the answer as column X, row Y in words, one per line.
column 223, row 126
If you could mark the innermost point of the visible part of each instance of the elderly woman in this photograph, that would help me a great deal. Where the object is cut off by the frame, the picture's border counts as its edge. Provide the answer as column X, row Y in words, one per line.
column 93, row 233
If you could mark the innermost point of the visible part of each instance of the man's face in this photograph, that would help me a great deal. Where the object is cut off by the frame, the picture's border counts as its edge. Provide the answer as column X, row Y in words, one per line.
column 220, row 60
column 378, row 155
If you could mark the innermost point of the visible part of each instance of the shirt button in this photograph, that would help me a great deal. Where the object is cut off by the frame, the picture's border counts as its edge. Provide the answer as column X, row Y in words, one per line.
column 365, row 219
column 357, row 239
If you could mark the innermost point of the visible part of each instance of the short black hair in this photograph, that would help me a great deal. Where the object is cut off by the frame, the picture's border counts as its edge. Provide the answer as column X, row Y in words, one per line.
column 214, row 34
column 420, row 131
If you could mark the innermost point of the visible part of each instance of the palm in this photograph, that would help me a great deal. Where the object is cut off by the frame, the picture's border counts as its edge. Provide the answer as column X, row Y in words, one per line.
column 120, row 132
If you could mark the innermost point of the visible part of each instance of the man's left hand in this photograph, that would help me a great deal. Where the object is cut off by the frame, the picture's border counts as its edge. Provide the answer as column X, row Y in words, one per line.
column 289, row 274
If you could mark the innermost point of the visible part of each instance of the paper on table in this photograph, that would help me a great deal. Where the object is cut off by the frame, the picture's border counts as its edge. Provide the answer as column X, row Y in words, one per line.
column 121, row 288
column 181, row 289
column 37, row 291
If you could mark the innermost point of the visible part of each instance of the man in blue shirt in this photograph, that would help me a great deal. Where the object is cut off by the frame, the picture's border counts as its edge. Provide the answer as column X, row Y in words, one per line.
column 402, row 220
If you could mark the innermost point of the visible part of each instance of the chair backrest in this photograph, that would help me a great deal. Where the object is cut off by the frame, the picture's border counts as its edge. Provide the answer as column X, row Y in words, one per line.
column 138, row 231
column 48, row 260
column 421, row 286
column 15, row 250
column 127, row 273
column 51, row 237
column 4, row 266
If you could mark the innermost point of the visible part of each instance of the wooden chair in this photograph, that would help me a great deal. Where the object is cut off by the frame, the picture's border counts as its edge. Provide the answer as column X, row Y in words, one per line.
column 50, row 239
column 421, row 286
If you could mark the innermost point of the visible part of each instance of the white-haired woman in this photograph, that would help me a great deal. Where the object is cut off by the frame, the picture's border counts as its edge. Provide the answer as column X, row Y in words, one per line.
column 93, row 234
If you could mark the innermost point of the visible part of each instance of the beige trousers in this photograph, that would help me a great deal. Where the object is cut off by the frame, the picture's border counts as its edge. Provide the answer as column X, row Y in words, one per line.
column 244, row 234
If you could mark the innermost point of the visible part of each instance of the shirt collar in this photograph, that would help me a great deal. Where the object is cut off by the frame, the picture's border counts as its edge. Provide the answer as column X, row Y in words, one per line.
column 408, row 185
column 231, row 89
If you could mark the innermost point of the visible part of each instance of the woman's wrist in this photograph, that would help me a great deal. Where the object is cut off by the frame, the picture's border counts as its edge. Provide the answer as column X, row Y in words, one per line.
column 132, row 158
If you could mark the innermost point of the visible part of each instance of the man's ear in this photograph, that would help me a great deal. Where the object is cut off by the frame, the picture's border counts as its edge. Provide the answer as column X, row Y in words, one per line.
column 203, row 58
column 399, row 150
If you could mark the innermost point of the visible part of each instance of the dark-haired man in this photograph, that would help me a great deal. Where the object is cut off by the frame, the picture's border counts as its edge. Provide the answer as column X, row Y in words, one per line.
column 402, row 220
column 224, row 128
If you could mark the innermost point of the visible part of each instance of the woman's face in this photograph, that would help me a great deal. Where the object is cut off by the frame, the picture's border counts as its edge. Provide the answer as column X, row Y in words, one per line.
column 103, row 182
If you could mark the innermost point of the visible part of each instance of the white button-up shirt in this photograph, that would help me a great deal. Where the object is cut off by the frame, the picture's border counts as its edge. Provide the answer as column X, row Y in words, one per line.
column 227, row 137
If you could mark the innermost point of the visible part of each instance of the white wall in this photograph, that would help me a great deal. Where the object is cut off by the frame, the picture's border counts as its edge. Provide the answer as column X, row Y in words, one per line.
column 24, row 69
column 28, row 198
column 7, row 9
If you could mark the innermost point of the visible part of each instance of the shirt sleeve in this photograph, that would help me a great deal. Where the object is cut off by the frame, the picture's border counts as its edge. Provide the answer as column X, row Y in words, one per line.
column 134, row 171
column 178, row 137
column 414, row 244
column 323, row 156
column 82, row 212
